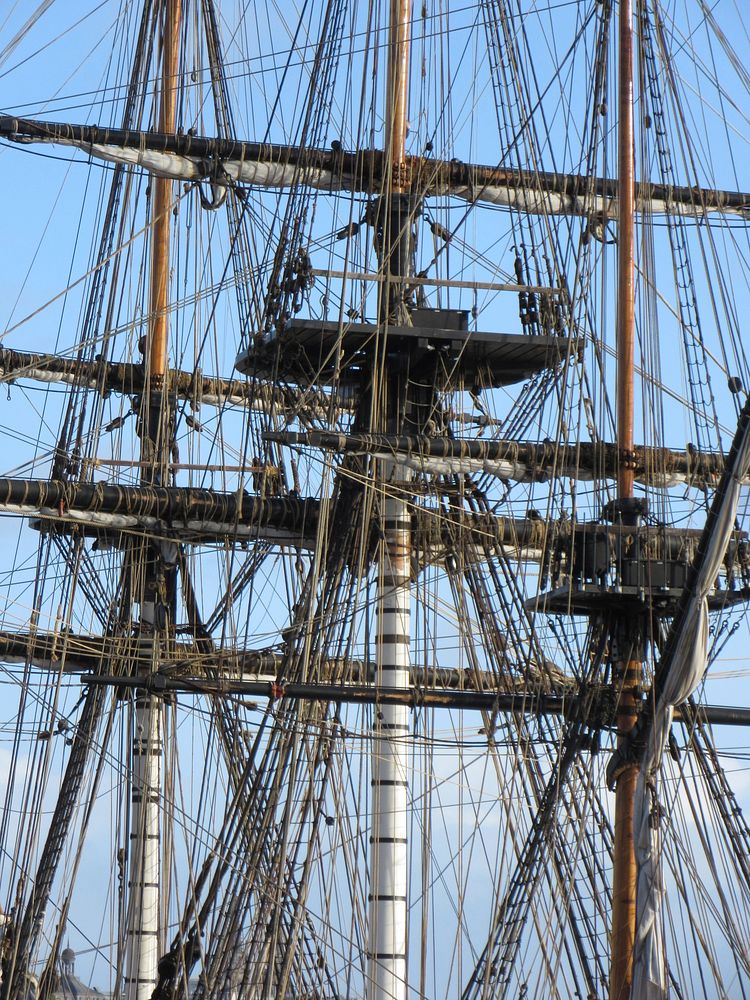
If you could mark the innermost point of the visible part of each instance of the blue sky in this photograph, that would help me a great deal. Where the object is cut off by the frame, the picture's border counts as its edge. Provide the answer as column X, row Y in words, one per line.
column 59, row 71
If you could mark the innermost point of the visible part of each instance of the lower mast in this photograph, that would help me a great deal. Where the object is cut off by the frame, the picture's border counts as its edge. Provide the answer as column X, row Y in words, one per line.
column 627, row 637
column 388, row 902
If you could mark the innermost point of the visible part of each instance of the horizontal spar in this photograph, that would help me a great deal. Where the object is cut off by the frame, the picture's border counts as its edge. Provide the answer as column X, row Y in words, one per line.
column 130, row 379
column 199, row 515
column 522, row 460
column 602, row 714
column 226, row 161
column 185, row 514
column 162, row 503
column 77, row 653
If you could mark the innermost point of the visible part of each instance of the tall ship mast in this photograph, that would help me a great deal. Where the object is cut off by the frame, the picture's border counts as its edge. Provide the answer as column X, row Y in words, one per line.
column 376, row 538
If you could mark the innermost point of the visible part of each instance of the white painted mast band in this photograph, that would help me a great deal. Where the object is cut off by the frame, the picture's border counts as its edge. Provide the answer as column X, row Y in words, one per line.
column 388, row 936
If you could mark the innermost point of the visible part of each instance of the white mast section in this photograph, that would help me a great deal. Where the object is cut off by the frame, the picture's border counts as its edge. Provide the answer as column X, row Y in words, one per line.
column 142, row 918
column 388, row 869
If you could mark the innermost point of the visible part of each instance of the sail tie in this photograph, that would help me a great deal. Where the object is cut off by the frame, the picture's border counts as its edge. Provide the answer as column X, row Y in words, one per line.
column 219, row 182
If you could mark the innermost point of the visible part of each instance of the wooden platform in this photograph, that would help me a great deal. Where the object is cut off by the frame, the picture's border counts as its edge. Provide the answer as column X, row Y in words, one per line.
column 311, row 352
column 595, row 568
column 592, row 599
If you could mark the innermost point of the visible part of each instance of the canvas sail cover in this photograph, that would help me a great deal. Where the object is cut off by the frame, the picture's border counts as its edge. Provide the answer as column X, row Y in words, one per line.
column 687, row 655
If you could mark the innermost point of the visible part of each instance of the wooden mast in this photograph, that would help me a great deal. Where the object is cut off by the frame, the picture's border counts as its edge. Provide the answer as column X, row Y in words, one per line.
column 628, row 670
column 158, row 338
column 398, row 85
column 144, row 930
column 388, row 907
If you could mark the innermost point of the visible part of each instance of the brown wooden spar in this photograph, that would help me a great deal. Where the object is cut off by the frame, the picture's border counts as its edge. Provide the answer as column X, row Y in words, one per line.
column 398, row 77
column 158, row 346
column 627, row 672
column 394, row 205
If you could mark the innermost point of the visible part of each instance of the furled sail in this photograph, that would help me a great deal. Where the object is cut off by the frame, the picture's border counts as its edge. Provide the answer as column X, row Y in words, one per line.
column 679, row 674
column 228, row 162
column 523, row 461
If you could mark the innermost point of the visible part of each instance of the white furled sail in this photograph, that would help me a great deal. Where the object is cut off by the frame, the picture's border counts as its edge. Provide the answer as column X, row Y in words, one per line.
column 227, row 164
column 684, row 665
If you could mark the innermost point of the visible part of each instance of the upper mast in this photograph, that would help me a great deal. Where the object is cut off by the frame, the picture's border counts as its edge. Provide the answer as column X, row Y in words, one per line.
column 396, row 114
column 157, row 349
